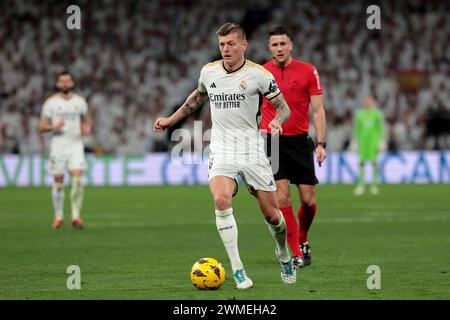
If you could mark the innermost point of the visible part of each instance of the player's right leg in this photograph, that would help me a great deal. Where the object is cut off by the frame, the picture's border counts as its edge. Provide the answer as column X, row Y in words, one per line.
column 222, row 189
column 360, row 186
column 56, row 167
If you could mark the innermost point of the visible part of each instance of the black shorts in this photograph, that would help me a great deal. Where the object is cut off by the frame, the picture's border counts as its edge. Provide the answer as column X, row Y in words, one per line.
column 296, row 159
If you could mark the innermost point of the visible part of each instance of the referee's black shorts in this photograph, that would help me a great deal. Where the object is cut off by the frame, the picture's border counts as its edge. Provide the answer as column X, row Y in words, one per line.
column 296, row 159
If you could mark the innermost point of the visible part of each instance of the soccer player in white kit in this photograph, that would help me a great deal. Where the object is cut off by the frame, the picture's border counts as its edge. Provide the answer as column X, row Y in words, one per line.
column 234, row 87
column 64, row 114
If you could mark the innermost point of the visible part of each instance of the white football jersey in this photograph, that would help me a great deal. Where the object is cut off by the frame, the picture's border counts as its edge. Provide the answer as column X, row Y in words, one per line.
column 235, row 99
column 70, row 110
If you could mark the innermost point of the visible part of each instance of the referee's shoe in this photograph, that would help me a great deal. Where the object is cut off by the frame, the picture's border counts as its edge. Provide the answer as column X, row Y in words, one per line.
column 306, row 249
column 297, row 261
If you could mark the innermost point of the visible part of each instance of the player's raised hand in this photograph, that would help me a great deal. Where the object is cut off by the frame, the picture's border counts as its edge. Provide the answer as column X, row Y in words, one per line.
column 321, row 154
column 161, row 124
column 59, row 125
column 275, row 127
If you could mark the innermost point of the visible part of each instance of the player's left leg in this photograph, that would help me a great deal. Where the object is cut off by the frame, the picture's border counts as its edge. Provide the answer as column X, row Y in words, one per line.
column 306, row 215
column 260, row 181
column 58, row 200
column 76, row 167
column 277, row 226
column 281, row 166
column 76, row 197
column 56, row 167
column 285, row 204
column 376, row 177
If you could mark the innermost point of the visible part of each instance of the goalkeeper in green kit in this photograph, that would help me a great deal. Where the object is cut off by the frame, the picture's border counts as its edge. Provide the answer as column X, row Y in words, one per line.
column 369, row 135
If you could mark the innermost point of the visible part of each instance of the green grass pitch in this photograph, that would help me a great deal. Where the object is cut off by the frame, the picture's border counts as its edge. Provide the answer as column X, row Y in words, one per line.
column 140, row 243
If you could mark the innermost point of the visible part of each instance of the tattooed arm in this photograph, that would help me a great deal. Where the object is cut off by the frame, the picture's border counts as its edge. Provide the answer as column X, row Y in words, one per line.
column 282, row 115
column 192, row 103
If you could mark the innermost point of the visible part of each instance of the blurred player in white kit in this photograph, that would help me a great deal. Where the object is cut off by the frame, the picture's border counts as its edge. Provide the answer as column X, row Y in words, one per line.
column 64, row 114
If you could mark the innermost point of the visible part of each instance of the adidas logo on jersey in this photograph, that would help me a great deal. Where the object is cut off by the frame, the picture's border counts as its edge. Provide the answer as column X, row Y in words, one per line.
column 213, row 85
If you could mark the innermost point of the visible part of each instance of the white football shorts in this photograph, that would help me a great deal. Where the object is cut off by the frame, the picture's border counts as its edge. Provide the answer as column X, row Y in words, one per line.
column 70, row 158
column 255, row 172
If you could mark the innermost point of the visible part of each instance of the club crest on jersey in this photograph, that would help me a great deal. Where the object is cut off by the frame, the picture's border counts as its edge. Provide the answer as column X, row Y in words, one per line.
column 296, row 86
column 243, row 85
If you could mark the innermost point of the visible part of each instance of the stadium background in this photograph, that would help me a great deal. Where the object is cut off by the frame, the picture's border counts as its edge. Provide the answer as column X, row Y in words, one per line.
column 136, row 60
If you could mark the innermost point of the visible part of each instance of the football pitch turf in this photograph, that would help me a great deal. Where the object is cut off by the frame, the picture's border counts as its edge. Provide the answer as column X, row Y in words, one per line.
column 140, row 243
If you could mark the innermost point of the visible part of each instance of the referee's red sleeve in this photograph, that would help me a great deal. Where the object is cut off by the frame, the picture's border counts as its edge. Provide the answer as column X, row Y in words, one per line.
column 315, row 87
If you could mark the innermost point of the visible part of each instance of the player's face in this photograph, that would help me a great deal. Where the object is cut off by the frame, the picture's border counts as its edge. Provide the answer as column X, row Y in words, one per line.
column 368, row 102
column 232, row 48
column 65, row 83
column 281, row 47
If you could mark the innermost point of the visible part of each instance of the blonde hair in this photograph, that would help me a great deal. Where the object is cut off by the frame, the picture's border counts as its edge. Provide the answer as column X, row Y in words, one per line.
column 228, row 28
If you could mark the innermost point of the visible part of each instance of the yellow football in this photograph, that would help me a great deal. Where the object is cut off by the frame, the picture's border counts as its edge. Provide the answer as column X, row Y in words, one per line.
column 207, row 274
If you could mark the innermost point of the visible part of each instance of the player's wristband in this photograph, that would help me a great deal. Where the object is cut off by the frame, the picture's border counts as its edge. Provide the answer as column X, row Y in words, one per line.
column 323, row 144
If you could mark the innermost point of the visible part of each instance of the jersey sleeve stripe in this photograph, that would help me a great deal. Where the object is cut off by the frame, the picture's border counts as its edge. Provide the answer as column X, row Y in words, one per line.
column 273, row 95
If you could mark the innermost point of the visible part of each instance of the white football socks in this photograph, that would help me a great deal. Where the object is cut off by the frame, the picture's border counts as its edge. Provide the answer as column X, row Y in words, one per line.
column 58, row 200
column 279, row 234
column 76, row 197
column 227, row 227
